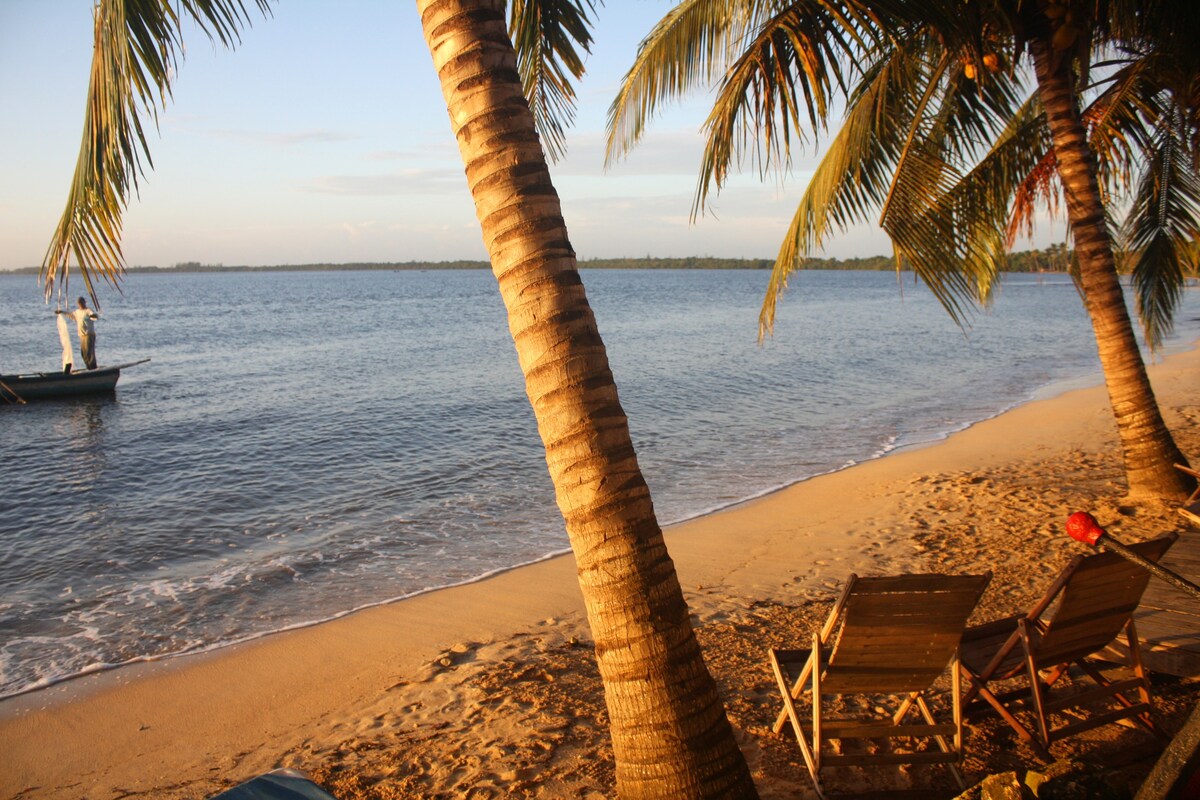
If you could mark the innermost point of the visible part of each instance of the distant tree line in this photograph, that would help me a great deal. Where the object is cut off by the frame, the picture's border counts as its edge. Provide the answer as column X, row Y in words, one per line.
column 1055, row 258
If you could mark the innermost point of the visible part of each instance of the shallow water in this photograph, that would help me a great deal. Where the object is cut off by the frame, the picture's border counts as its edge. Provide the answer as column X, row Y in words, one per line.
column 303, row 444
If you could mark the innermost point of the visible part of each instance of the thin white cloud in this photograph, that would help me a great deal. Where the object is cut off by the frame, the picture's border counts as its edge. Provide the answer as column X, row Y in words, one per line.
column 288, row 139
column 674, row 152
column 402, row 182
column 356, row 229
column 418, row 154
column 392, row 155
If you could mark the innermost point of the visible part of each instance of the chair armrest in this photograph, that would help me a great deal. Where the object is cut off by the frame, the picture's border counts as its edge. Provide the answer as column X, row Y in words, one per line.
column 988, row 630
column 985, row 647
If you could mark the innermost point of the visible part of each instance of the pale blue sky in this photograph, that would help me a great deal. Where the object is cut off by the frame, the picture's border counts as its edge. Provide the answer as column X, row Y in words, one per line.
column 324, row 138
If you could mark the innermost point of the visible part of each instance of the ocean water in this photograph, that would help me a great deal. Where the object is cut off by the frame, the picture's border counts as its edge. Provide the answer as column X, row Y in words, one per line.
column 304, row 444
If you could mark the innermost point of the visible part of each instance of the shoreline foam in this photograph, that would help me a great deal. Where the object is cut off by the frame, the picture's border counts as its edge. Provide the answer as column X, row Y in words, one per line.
column 894, row 445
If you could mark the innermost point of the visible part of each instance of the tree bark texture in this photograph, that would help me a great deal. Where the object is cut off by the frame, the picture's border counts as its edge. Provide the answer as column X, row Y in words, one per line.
column 670, row 735
column 1146, row 443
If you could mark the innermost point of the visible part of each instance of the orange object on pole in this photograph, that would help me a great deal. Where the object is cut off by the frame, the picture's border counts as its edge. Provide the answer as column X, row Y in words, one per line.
column 1083, row 527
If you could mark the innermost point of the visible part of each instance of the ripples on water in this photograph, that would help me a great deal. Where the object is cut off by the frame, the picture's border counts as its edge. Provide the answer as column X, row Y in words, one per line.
column 303, row 444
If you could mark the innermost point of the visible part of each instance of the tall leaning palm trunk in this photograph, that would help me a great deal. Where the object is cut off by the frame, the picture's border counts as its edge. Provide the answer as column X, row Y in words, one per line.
column 1146, row 443
column 670, row 735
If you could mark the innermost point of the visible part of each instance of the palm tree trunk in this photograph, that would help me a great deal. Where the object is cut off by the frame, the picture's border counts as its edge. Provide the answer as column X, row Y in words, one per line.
column 670, row 735
column 1147, row 445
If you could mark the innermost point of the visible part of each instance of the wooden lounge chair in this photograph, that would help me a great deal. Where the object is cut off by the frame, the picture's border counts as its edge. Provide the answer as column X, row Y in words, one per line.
column 1191, row 507
column 885, row 636
column 1096, row 596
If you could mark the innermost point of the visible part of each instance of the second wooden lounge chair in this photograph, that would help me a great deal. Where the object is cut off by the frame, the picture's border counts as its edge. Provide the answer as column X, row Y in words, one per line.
column 885, row 636
column 1096, row 596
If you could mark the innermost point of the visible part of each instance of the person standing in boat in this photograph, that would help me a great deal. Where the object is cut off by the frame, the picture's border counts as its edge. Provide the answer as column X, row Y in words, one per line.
column 84, row 323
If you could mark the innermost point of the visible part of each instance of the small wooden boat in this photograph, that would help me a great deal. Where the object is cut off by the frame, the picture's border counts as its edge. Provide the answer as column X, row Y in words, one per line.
column 44, row 385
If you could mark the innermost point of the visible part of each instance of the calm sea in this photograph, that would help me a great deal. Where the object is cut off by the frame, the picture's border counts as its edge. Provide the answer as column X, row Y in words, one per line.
column 305, row 444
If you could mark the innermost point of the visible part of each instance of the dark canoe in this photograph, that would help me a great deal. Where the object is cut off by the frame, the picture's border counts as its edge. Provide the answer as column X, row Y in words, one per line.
column 44, row 385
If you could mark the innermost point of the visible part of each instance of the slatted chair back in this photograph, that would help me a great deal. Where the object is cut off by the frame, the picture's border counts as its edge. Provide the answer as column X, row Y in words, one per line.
column 892, row 636
column 899, row 632
column 1100, row 592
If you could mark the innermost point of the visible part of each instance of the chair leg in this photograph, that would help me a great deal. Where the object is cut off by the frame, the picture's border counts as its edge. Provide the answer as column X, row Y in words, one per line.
column 794, row 692
column 797, row 689
column 780, row 721
column 811, row 754
column 956, row 712
column 1035, row 689
column 1139, row 669
column 956, row 703
column 927, row 714
column 817, row 734
column 814, row 756
column 1098, row 677
column 998, row 706
column 898, row 717
column 1039, row 704
column 973, row 688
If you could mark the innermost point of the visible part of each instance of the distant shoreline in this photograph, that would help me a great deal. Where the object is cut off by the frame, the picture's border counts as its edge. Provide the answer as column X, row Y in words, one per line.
column 1025, row 261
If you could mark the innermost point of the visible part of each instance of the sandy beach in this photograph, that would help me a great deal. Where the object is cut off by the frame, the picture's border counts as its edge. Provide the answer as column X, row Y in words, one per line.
column 490, row 690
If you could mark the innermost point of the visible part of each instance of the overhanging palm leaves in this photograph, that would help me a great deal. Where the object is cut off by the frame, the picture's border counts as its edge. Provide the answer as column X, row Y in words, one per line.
column 945, row 142
column 548, row 35
column 912, row 129
column 776, row 53
column 135, row 52
column 941, row 141
column 1149, row 142
column 1161, row 230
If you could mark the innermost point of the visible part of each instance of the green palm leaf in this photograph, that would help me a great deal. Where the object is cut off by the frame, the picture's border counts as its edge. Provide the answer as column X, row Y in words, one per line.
column 787, row 75
column 690, row 46
column 135, row 52
column 786, row 50
column 548, row 36
column 1161, row 231
column 848, row 185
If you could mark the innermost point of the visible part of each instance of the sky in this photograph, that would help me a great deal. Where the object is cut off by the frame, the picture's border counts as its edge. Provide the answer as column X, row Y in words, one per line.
column 323, row 138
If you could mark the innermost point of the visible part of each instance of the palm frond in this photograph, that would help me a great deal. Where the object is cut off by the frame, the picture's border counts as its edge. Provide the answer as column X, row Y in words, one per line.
column 980, row 199
column 690, row 46
column 786, row 76
column 1162, row 35
column 914, row 129
column 914, row 149
column 134, row 55
column 549, row 36
column 766, row 46
column 1040, row 187
column 1161, row 230
column 853, row 178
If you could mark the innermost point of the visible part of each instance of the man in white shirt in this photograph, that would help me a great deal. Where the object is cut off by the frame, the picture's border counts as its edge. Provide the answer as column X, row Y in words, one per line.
column 85, row 323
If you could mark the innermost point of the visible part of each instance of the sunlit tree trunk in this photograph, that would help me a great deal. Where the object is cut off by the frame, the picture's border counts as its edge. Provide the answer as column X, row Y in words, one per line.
column 670, row 735
column 1148, row 448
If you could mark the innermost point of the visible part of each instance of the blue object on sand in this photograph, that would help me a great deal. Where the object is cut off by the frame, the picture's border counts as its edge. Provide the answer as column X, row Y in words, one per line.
column 281, row 784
